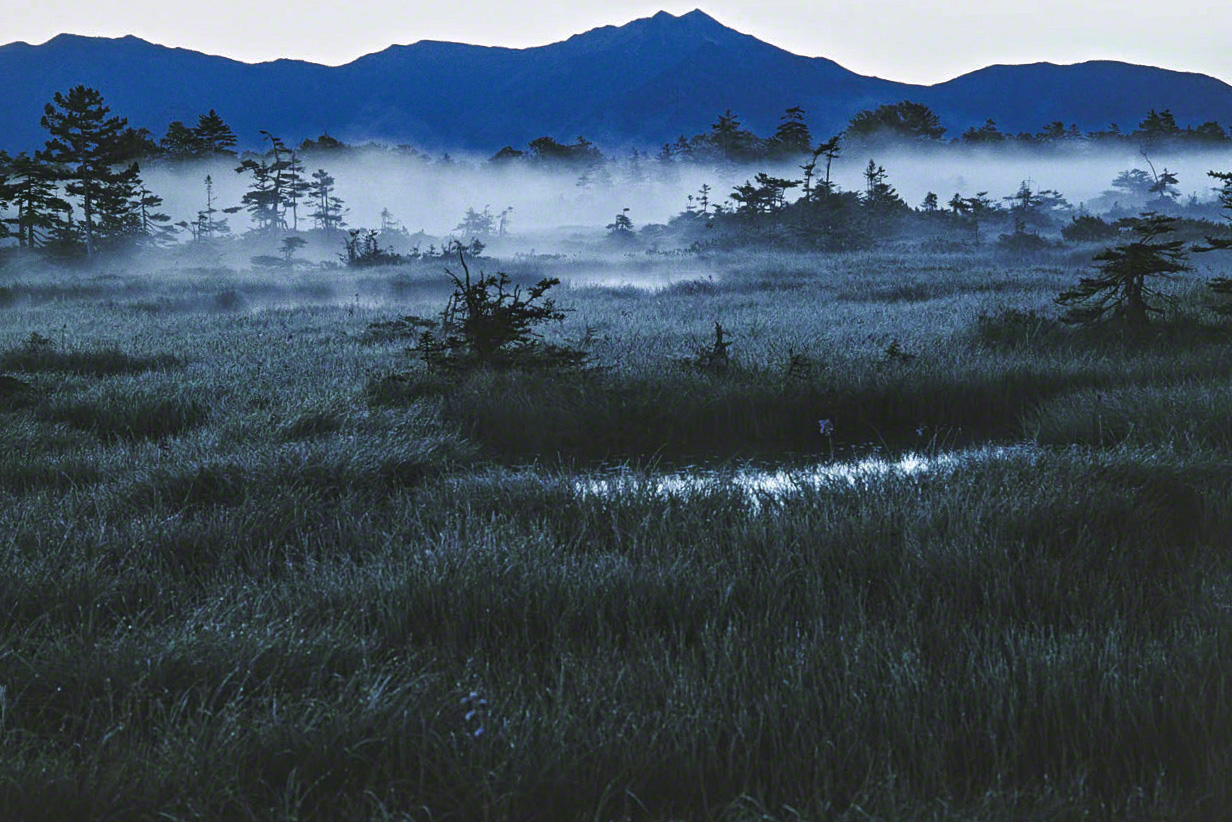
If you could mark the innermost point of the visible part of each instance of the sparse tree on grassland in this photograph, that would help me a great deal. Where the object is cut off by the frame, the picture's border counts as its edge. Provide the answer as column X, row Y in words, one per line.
column 1123, row 287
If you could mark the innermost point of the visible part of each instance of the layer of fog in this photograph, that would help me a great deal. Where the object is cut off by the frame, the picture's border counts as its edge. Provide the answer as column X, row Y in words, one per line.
column 433, row 197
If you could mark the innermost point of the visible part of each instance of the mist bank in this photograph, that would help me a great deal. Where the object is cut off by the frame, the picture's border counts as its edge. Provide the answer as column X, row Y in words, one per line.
column 433, row 197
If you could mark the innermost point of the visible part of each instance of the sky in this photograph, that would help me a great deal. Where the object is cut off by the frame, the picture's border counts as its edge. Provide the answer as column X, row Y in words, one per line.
column 916, row 41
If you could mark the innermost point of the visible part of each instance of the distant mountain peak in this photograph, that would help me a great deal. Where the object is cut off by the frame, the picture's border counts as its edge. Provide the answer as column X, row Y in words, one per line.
column 640, row 83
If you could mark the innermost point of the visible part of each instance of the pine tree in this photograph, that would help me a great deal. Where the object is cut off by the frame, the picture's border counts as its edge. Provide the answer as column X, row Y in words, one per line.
column 180, row 142
column 1221, row 285
column 214, row 136
column 621, row 227
column 267, row 198
column 153, row 227
column 726, row 134
column 86, row 143
column 295, row 186
column 792, row 137
column 880, row 198
column 1122, row 287
column 33, row 193
column 329, row 209
column 7, row 192
column 831, row 150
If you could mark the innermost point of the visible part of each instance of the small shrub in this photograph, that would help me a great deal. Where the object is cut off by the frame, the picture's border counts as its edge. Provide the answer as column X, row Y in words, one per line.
column 692, row 288
column 486, row 324
column 229, row 300
column 1022, row 242
column 716, row 357
column 36, row 343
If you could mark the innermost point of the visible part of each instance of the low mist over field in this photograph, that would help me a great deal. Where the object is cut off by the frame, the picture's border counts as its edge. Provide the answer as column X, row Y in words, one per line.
column 428, row 196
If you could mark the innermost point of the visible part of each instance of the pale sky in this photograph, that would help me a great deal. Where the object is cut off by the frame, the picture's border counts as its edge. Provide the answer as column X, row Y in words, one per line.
column 920, row 41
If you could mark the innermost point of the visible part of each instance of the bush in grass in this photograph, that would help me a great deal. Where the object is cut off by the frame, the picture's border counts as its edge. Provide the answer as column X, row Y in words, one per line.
column 487, row 324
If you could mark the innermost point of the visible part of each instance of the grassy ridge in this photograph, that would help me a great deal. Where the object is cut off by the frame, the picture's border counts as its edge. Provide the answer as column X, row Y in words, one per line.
column 248, row 577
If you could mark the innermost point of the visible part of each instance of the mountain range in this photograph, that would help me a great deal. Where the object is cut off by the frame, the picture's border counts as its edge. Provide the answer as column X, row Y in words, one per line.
column 643, row 83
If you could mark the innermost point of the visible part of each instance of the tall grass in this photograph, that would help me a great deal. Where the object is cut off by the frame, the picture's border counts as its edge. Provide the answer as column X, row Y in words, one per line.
column 265, row 581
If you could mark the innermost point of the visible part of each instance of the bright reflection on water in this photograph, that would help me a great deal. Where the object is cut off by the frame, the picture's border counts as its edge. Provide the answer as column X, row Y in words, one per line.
column 759, row 483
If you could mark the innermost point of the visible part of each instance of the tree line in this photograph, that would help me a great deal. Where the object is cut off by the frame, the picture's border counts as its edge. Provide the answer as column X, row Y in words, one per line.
column 83, row 192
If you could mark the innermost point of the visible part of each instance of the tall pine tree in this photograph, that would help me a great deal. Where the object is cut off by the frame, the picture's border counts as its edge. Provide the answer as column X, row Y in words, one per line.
column 87, row 145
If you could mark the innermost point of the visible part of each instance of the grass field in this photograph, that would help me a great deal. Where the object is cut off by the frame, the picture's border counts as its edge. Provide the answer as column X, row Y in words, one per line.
column 259, row 565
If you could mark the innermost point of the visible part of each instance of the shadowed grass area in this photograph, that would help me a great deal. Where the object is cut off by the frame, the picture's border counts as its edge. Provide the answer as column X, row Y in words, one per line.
column 1194, row 415
column 146, row 417
column 680, row 413
column 841, row 652
column 103, row 363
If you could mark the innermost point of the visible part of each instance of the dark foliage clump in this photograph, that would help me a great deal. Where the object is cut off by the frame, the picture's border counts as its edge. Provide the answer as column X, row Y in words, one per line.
column 1013, row 327
column 1087, row 228
column 487, row 324
column 362, row 250
column 1022, row 242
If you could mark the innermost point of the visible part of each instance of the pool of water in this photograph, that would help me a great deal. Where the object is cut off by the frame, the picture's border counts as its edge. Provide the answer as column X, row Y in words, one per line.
column 761, row 482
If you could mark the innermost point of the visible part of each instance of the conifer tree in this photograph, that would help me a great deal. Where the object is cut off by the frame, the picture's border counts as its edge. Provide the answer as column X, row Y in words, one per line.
column 151, row 226
column 267, row 198
column 180, row 142
column 6, row 192
column 1221, row 285
column 86, row 145
column 33, row 194
column 792, row 137
column 329, row 209
column 214, row 136
column 1123, row 287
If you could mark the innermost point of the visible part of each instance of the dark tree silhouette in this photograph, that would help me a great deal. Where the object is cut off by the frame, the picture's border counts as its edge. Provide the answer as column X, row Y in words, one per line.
column 1123, row 287
column 792, row 137
column 32, row 191
column 905, row 120
column 214, row 136
column 86, row 146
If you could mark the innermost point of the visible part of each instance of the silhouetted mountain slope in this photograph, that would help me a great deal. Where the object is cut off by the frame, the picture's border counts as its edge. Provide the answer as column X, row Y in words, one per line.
column 642, row 83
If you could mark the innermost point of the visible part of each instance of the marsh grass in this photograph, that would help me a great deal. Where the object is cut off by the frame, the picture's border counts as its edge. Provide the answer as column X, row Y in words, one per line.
column 103, row 363
column 142, row 414
column 273, row 581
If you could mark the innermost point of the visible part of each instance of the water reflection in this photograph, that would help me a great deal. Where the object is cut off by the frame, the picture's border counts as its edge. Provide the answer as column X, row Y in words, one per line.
column 763, row 482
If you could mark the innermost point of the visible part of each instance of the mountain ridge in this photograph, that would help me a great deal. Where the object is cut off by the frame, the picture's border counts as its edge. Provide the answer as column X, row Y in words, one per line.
column 642, row 83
